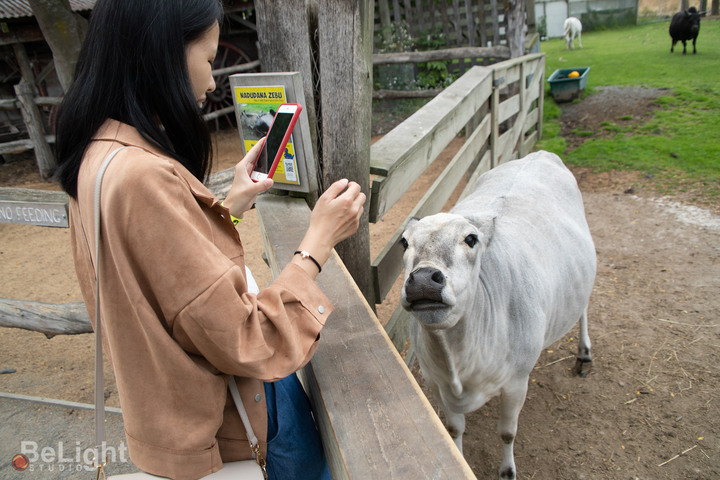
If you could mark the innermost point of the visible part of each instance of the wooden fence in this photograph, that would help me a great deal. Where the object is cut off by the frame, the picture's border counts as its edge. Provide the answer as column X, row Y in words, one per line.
column 460, row 22
column 499, row 108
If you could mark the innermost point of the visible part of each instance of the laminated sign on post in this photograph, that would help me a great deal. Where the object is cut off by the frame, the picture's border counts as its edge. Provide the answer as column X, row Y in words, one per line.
column 257, row 98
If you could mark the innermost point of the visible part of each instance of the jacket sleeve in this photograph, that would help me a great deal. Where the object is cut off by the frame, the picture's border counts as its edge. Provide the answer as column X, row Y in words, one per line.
column 267, row 336
column 178, row 256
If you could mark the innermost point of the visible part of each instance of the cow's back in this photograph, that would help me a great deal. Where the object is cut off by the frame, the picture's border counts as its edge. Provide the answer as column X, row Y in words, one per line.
column 539, row 184
column 677, row 29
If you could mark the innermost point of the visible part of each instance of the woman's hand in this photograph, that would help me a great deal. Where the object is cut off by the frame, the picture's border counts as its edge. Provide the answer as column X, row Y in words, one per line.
column 244, row 190
column 336, row 217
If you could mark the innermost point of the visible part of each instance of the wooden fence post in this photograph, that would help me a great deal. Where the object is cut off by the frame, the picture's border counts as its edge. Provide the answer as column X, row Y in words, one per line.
column 36, row 131
column 284, row 34
column 345, row 29
column 330, row 43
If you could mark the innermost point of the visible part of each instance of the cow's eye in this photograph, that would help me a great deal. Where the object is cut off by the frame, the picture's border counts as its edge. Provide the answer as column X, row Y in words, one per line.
column 471, row 240
column 404, row 243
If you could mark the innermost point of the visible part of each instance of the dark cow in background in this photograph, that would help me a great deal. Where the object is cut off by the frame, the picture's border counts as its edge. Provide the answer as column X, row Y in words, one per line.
column 685, row 26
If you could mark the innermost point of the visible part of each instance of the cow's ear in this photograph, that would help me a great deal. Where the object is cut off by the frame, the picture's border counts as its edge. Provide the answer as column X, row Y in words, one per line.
column 403, row 242
column 412, row 221
column 486, row 228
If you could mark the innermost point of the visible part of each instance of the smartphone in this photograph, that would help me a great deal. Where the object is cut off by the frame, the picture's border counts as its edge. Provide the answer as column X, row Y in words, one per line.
column 275, row 142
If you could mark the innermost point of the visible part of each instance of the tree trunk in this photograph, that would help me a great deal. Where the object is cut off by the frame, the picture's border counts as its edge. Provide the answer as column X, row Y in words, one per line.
column 48, row 318
column 285, row 30
column 516, row 27
column 345, row 56
column 63, row 31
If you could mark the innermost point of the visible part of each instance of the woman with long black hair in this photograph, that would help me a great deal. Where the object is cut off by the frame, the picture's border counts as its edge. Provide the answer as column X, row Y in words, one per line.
column 178, row 316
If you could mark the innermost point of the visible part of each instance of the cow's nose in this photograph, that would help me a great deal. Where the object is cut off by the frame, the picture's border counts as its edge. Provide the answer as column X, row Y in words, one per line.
column 431, row 276
column 425, row 284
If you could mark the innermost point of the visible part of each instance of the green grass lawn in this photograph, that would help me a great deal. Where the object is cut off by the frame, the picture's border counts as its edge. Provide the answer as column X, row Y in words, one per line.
column 680, row 145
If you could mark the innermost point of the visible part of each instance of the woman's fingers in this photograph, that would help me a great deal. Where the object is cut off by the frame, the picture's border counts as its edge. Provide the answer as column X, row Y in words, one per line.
column 246, row 164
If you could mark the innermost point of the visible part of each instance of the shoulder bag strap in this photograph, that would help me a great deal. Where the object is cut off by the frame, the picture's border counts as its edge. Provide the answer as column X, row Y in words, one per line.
column 99, row 377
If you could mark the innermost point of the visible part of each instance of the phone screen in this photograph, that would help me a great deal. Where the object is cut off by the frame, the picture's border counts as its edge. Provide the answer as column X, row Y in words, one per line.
column 272, row 142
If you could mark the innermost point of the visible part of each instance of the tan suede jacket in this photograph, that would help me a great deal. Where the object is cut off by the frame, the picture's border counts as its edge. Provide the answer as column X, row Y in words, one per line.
column 177, row 316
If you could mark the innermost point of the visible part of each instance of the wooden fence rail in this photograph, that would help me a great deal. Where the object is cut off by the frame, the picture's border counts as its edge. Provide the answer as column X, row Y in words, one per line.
column 500, row 109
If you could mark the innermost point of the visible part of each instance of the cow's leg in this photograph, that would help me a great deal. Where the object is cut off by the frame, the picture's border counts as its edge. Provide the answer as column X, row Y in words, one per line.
column 584, row 359
column 672, row 46
column 511, row 402
column 455, row 424
column 684, row 47
column 580, row 39
column 694, row 51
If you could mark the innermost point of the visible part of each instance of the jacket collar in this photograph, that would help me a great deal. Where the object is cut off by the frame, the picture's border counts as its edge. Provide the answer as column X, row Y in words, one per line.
column 124, row 134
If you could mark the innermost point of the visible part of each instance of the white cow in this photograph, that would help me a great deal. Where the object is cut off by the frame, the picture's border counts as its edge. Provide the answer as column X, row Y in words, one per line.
column 492, row 283
column 572, row 28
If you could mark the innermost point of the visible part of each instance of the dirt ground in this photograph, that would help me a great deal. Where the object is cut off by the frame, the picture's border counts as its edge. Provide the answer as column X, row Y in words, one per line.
column 647, row 410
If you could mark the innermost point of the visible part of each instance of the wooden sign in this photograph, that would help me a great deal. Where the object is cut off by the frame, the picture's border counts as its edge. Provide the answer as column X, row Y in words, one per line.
column 33, row 207
column 256, row 98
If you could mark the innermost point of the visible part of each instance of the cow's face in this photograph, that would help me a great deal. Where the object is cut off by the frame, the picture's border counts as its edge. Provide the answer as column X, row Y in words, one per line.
column 692, row 17
column 442, row 265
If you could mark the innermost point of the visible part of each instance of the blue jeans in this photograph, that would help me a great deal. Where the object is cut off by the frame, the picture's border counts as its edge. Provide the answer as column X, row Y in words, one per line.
column 294, row 445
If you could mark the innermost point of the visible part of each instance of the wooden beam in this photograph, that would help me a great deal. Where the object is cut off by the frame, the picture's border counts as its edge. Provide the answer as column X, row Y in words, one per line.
column 17, row 34
column 383, row 94
column 48, row 318
column 36, row 131
column 373, row 417
column 458, row 53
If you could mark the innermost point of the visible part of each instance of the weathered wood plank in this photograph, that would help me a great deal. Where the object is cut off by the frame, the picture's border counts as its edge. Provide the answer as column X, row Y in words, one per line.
column 345, row 59
column 508, row 108
column 405, row 152
column 16, row 146
column 383, row 94
column 373, row 417
column 459, row 53
column 9, row 104
column 36, row 130
column 482, row 167
column 48, row 318
column 529, row 143
column 513, row 145
column 388, row 264
column 506, row 64
column 33, row 207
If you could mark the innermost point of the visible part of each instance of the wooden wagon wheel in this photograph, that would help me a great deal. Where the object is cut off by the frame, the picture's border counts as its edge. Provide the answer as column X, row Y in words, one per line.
column 228, row 55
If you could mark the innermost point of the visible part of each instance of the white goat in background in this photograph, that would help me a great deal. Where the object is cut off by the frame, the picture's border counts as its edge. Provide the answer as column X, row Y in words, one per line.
column 571, row 29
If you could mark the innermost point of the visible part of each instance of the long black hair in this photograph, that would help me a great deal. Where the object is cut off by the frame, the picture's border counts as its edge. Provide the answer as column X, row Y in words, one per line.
column 132, row 68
